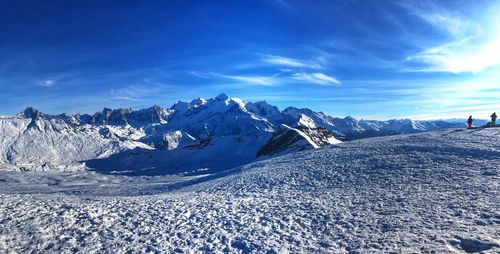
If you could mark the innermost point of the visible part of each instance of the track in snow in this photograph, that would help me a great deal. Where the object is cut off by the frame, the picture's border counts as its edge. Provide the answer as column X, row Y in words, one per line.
column 428, row 192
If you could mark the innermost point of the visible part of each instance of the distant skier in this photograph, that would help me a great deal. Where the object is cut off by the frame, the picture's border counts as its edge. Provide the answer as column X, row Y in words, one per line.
column 469, row 121
column 493, row 119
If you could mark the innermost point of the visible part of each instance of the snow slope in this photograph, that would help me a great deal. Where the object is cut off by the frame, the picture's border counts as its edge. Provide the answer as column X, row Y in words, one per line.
column 435, row 192
column 51, row 144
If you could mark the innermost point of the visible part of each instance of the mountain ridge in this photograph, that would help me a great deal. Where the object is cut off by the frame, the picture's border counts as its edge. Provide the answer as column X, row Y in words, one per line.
column 212, row 134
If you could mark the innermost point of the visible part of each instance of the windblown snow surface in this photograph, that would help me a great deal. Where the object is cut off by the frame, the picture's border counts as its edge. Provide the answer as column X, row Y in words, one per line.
column 435, row 192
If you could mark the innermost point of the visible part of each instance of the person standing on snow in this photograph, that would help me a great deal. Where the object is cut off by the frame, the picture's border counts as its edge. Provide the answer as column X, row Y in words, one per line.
column 493, row 118
column 469, row 121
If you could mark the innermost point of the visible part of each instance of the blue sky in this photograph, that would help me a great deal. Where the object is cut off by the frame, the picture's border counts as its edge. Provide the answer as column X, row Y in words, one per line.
column 368, row 59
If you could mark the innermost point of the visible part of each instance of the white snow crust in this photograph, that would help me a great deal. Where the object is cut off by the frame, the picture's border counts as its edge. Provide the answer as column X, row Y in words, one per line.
column 436, row 192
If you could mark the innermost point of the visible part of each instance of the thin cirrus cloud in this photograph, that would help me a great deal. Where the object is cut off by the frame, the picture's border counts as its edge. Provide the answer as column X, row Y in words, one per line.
column 47, row 82
column 316, row 78
column 258, row 80
column 255, row 80
column 289, row 69
column 139, row 92
column 473, row 45
column 278, row 79
column 453, row 24
column 291, row 62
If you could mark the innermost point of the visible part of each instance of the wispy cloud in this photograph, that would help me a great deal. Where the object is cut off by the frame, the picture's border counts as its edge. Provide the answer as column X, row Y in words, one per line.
column 47, row 83
column 201, row 74
column 291, row 62
column 451, row 23
column 473, row 45
column 125, row 98
column 140, row 92
column 466, row 55
column 258, row 80
column 130, row 93
column 317, row 78
column 254, row 80
column 281, row 78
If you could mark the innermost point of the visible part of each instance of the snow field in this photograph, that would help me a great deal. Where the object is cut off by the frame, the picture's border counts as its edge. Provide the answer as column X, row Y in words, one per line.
column 424, row 193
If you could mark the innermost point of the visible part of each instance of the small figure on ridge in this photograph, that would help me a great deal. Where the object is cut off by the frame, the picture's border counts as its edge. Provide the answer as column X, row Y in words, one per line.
column 493, row 119
column 469, row 122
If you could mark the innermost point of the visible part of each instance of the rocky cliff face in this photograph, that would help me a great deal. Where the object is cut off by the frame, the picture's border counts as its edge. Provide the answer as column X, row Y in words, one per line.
column 287, row 139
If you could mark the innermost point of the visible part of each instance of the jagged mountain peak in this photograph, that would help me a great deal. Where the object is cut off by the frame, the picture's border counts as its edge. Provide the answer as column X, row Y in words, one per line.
column 306, row 121
column 196, row 103
column 262, row 108
column 180, row 106
column 226, row 101
column 31, row 112
column 297, row 112
column 219, row 104
column 222, row 97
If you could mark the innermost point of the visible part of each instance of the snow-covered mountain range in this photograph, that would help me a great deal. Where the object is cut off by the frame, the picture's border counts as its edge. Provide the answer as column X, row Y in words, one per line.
column 201, row 135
